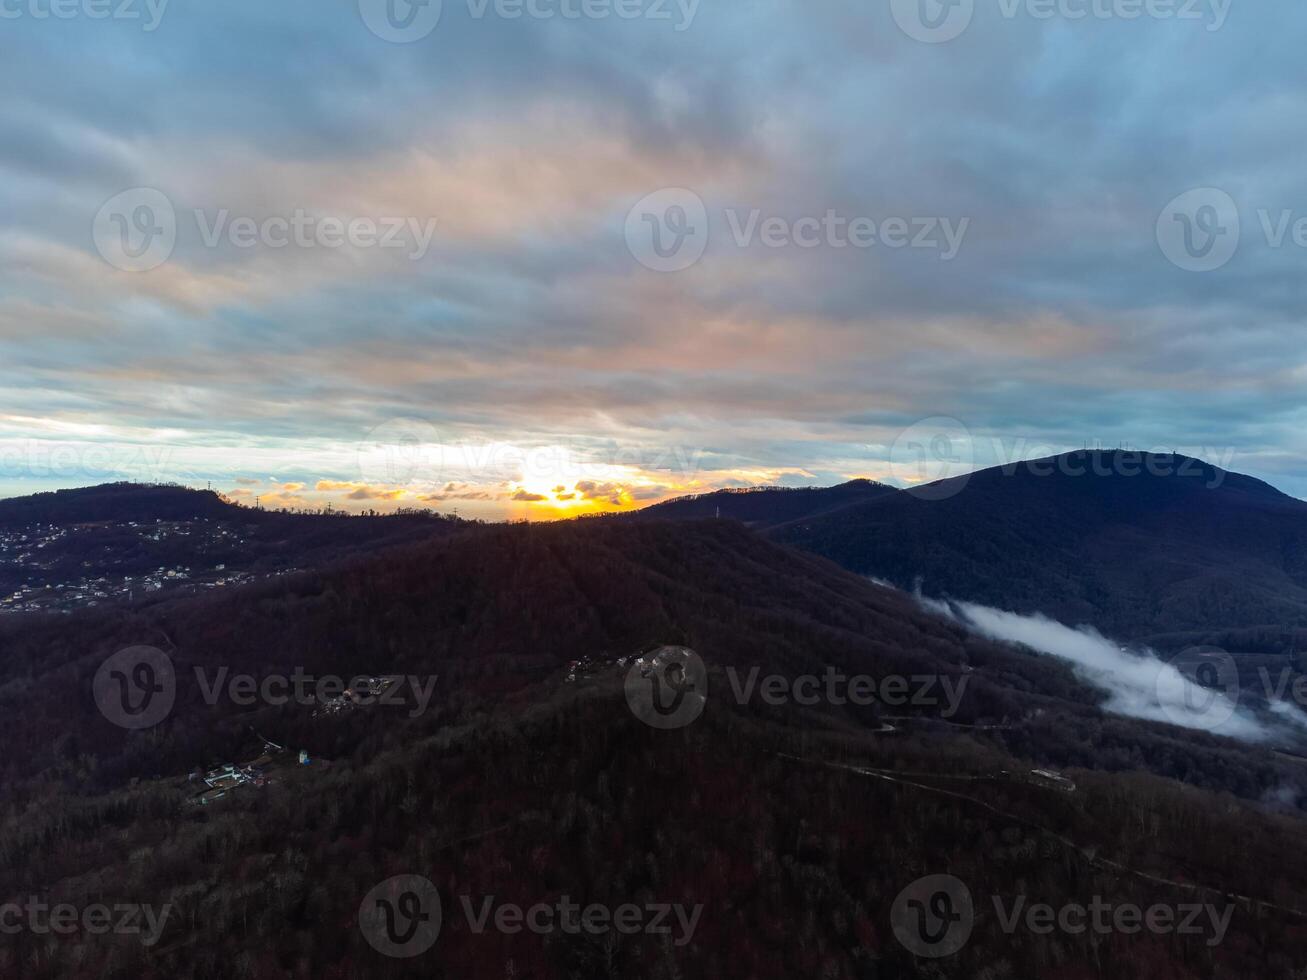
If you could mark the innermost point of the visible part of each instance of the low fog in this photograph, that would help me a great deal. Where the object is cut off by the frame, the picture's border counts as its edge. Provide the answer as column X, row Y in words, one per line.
column 1140, row 684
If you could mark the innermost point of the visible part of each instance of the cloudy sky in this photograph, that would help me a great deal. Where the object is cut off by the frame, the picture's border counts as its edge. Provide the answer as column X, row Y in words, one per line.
column 529, row 258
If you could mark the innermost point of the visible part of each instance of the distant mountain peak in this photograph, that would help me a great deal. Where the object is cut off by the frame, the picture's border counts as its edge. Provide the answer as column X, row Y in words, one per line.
column 1134, row 542
column 766, row 506
column 122, row 501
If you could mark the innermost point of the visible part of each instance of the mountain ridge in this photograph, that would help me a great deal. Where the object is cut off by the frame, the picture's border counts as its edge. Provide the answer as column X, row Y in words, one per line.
column 1137, row 544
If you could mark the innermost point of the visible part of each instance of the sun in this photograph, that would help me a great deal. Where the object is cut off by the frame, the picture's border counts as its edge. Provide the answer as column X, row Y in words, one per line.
column 560, row 482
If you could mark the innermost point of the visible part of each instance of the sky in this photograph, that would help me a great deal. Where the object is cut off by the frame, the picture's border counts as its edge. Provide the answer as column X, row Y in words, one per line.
column 534, row 258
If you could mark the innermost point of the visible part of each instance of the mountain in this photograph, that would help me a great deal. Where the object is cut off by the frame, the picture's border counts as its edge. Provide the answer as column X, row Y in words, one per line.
column 765, row 506
column 1136, row 544
column 117, row 502
column 499, row 605
column 126, row 542
column 791, row 825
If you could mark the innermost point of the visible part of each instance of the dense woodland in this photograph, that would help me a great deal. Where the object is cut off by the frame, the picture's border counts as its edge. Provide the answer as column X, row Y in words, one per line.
column 126, row 529
column 764, row 506
column 1140, row 546
column 518, row 784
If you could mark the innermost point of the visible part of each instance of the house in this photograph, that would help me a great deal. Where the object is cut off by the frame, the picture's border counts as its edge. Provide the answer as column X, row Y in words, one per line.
column 1054, row 780
column 209, row 796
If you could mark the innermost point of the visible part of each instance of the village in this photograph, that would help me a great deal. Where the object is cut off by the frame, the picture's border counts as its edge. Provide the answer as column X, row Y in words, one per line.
column 366, row 693
column 40, row 570
column 258, row 773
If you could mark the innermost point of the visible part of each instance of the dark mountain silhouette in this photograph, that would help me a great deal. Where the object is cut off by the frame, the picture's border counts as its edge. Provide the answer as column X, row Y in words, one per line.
column 1135, row 544
column 64, row 548
column 118, row 502
column 766, row 506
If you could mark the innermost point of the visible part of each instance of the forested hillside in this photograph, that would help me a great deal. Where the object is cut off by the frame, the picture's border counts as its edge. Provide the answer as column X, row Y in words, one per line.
column 1135, row 545
column 526, row 782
